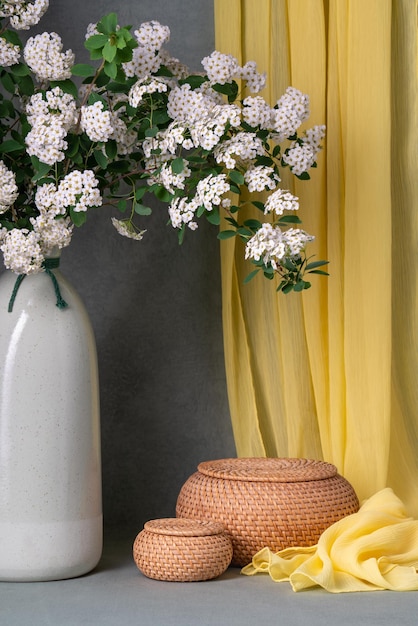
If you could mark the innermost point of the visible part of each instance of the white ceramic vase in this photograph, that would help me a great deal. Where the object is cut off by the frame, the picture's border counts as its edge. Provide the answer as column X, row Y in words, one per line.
column 50, row 468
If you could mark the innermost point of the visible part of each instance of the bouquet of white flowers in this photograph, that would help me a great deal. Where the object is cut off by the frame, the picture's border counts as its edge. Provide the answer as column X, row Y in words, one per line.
column 135, row 122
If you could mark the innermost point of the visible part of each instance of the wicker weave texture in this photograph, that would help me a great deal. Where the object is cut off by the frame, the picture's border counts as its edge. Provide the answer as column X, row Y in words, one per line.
column 272, row 513
column 182, row 550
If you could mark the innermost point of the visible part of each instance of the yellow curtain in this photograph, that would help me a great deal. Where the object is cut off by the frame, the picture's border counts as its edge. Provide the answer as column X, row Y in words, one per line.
column 332, row 373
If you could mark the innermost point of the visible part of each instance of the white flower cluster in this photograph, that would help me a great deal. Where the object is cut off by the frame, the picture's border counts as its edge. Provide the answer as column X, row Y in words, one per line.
column 256, row 112
column 210, row 190
column 171, row 180
column 260, row 178
column 127, row 229
column 8, row 188
column 280, row 201
column 43, row 54
column 243, row 146
column 147, row 57
column 78, row 190
column 50, row 117
column 224, row 68
column 273, row 245
column 9, row 53
column 23, row 13
column 96, row 121
column 289, row 112
column 143, row 86
column 209, row 193
column 21, row 250
column 181, row 211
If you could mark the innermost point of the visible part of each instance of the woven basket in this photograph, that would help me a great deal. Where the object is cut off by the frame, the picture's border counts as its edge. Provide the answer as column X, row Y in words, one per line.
column 267, row 502
column 182, row 550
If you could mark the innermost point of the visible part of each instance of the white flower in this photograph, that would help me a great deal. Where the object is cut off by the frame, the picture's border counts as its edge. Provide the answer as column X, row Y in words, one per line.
column 127, row 229
column 255, row 81
column 243, row 146
column 146, row 58
column 145, row 85
column 300, row 157
column 96, row 122
column 79, row 191
column 210, row 190
column 52, row 232
column 43, row 54
column 256, row 112
column 273, row 246
column 260, row 178
column 23, row 13
column 8, row 188
column 9, row 53
column 220, row 68
column 280, row 201
column 182, row 212
column 50, row 118
column 21, row 251
column 290, row 111
column 172, row 180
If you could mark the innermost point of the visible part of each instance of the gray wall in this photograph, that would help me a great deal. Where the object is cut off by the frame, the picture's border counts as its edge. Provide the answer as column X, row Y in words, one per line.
column 156, row 311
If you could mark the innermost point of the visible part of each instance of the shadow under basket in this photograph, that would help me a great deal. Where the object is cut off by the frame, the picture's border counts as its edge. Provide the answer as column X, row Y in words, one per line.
column 267, row 502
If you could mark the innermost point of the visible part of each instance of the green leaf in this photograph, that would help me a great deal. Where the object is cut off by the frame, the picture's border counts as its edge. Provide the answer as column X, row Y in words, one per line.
column 289, row 219
column 67, row 86
column 227, row 234
column 140, row 192
column 251, row 276
column 177, row 165
column 258, row 205
column 111, row 149
column 141, row 209
column 300, row 285
column 11, row 146
column 264, row 160
column 214, row 217
column 109, row 52
column 122, row 205
column 315, row 264
column 194, row 81
column 20, row 70
column 161, row 193
column 111, row 70
column 303, row 176
column 78, row 217
column 228, row 89
column 7, row 82
column 96, row 42
column 108, row 24
column 83, row 69
column 236, row 177
column 200, row 210
column 253, row 224
column 41, row 169
column 287, row 287
column 101, row 159
column 321, row 272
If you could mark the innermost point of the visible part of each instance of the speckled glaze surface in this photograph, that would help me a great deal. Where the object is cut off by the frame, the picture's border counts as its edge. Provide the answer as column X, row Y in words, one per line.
column 50, row 470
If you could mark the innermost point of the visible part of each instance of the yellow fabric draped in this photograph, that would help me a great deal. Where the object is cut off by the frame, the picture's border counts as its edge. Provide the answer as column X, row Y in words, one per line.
column 332, row 373
column 376, row 548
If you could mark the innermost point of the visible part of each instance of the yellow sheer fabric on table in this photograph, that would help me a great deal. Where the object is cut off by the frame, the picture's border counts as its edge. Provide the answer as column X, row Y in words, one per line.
column 376, row 548
column 332, row 373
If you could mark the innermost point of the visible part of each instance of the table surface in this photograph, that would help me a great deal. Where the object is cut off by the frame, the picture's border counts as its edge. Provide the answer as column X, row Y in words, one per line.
column 117, row 594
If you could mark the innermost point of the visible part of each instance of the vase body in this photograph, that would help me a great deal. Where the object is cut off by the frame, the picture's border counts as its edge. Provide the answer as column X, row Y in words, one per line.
column 50, row 467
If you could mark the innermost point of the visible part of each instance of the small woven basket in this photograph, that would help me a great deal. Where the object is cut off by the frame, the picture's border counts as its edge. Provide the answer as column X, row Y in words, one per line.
column 182, row 550
column 267, row 502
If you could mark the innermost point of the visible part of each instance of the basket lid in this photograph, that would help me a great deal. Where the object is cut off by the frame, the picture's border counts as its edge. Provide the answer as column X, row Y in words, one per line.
column 282, row 470
column 184, row 527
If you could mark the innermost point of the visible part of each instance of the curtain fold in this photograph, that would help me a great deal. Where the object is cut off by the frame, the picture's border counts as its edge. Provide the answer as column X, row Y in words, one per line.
column 331, row 373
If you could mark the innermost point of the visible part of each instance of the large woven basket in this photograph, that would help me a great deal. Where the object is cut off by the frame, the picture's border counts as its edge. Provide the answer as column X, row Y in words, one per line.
column 182, row 550
column 267, row 502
